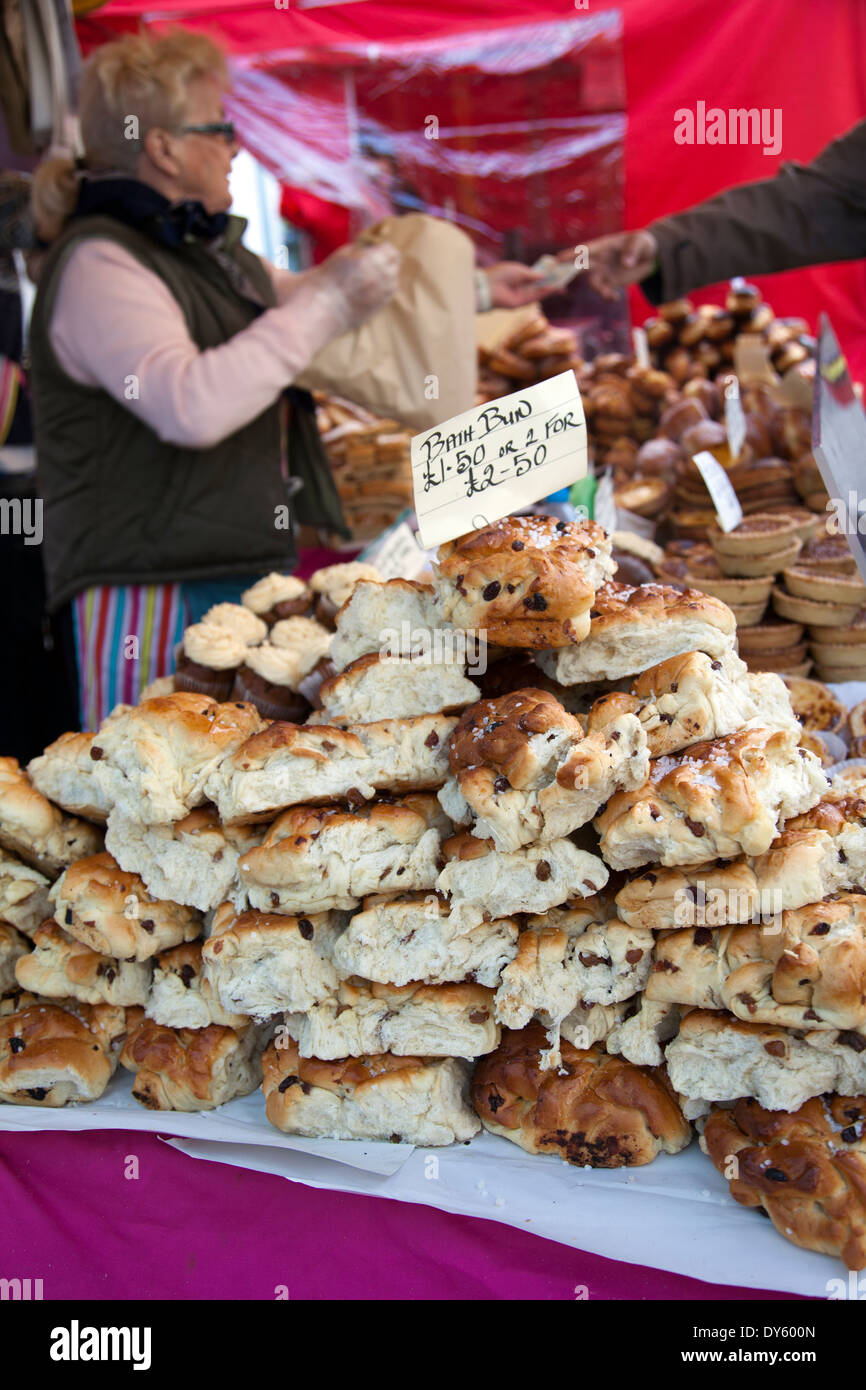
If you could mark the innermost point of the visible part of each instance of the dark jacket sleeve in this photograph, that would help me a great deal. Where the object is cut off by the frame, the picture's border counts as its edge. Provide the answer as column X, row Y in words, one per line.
column 805, row 215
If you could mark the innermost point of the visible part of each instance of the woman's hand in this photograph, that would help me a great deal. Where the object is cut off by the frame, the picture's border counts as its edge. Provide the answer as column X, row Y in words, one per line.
column 358, row 280
column 513, row 284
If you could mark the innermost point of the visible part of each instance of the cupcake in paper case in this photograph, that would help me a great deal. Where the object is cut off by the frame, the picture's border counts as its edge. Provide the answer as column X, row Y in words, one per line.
column 305, row 637
column 278, row 596
column 207, row 660
column 268, row 679
column 239, row 621
column 310, row 685
column 333, row 585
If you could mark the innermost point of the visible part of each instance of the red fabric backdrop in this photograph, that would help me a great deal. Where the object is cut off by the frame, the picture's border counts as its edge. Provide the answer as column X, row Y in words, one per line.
column 515, row 134
column 807, row 60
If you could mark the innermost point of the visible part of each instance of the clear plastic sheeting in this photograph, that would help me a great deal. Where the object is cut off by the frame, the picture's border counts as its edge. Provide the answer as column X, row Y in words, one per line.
column 301, row 135
column 515, row 133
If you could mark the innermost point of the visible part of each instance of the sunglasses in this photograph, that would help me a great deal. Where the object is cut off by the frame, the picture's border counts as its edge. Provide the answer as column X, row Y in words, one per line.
column 224, row 128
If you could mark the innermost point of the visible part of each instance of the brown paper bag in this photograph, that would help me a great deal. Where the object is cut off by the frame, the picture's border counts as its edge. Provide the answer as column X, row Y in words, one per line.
column 415, row 360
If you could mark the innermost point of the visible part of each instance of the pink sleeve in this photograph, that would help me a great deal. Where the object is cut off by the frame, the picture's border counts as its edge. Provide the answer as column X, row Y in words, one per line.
column 115, row 324
column 285, row 282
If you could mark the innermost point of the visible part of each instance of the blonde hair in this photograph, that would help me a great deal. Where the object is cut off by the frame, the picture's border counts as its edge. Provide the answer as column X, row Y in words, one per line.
column 127, row 88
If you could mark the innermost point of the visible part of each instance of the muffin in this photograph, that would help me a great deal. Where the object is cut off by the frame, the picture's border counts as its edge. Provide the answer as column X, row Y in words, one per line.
column 310, row 647
column 207, row 659
column 239, row 621
column 310, row 685
column 278, row 596
column 268, row 679
column 333, row 585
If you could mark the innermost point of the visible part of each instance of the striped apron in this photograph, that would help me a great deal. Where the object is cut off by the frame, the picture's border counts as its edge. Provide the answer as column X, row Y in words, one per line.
column 125, row 636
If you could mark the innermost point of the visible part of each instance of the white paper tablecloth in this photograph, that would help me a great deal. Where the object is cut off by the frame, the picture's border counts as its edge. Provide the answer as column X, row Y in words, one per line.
column 674, row 1214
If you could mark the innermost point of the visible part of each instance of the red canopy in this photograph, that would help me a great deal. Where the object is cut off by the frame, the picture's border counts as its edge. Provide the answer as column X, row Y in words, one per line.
column 806, row 60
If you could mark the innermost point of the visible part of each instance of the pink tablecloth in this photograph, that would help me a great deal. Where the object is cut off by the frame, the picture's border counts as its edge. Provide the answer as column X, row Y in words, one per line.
column 191, row 1230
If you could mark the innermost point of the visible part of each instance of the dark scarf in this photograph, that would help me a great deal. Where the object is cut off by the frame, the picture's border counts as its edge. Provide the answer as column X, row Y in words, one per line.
column 139, row 206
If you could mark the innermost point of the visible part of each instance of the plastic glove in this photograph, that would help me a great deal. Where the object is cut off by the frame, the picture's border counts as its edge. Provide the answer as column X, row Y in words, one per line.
column 356, row 281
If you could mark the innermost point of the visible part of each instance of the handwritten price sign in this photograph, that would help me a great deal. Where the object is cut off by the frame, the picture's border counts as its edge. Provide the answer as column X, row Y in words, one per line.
column 497, row 458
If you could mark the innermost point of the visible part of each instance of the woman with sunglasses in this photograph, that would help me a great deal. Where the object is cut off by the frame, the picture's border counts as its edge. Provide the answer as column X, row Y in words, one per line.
column 161, row 351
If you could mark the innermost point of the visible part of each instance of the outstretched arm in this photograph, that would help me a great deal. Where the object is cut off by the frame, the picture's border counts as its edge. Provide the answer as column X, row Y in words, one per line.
column 806, row 215
column 115, row 322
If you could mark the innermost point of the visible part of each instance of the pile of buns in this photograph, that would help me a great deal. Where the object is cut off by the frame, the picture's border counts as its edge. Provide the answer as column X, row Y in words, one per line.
column 647, row 421
column 690, row 343
column 530, row 353
column 544, row 858
column 371, row 461
column 774, row 471
column 647, row 429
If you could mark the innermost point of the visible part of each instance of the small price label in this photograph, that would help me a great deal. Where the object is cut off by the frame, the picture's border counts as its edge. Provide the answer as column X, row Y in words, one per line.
column 640, row 343
column 604, row 504
column 401, row 557
column 497, row 458
column 752, row 361
column 735, row 419
column 396, row 554
column 725, row 500
column 796, row 390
